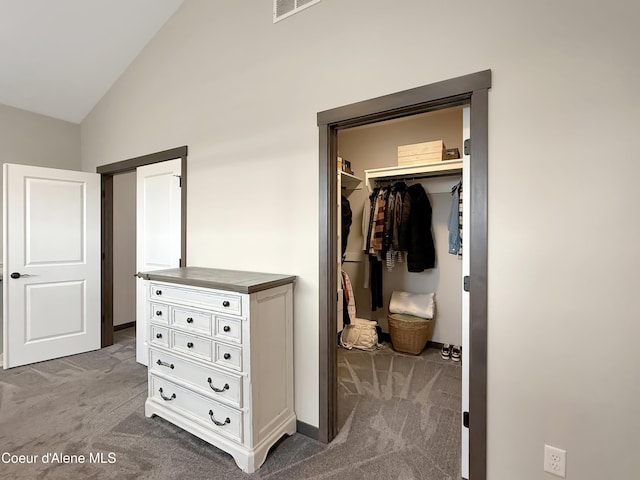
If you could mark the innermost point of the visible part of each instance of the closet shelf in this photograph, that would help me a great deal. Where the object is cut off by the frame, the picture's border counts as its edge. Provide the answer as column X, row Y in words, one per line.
column 435, row 169
column 348, row 181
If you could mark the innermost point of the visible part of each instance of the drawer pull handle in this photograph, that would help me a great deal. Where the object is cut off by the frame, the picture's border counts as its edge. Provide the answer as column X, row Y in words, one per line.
column 190, row 345
column 189, row 320
column 165, row 398
column 226, row 303
column 158, row 292
column 227, row 356
column 226, row 328
column 158, row 313
column 165, row 364
column 220, row 424
column 158, row 335
column 219, row 390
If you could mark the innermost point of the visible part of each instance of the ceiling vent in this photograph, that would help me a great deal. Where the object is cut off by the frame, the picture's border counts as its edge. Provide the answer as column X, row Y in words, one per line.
column 285, row 8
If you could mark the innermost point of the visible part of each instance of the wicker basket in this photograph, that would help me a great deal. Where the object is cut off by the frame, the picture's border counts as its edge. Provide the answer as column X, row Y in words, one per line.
column 409, row 334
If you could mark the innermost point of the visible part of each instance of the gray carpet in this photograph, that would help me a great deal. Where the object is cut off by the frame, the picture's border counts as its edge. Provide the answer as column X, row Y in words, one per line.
column 399, row 418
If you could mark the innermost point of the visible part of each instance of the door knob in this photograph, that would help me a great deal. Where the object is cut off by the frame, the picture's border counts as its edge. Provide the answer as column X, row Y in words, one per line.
column 18, row 275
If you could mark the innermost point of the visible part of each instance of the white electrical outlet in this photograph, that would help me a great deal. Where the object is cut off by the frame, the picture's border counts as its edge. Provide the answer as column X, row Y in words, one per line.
column 555, row 461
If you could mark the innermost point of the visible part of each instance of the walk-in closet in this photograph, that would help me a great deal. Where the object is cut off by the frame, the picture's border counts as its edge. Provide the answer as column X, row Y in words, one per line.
column 392, row 397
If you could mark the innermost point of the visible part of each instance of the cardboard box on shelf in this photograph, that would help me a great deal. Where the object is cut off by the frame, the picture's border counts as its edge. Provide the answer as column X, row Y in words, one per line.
column 420, row 153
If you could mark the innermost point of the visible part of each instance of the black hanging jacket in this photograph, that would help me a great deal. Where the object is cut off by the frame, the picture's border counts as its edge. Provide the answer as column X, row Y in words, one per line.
column 347, row 216
column 421, row 254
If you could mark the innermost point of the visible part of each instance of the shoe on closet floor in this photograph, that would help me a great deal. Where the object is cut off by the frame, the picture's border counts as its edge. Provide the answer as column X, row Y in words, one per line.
column 456, row 353
column 445, row 352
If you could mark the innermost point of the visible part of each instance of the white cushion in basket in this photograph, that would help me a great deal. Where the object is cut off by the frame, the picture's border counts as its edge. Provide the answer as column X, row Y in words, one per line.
column 416, row 304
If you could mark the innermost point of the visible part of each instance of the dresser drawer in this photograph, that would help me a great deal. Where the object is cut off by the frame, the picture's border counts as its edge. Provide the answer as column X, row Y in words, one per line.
column 221, row 385
column 227, row 355
column 229, row 329
column 217, row 417
column 190, row 344
column 192, row 320
column 223, row 302
column 159, row 312
column 159, row 335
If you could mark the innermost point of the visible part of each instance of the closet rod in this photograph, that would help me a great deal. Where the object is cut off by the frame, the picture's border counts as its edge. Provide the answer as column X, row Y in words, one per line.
column 414, row 177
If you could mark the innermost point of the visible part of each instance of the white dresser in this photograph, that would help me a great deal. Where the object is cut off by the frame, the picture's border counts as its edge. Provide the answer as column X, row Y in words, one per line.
column 221, row 357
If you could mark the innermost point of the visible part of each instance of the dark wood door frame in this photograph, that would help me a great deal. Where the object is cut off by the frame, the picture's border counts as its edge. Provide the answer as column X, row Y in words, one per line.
column 107, row 172
column 466, row 90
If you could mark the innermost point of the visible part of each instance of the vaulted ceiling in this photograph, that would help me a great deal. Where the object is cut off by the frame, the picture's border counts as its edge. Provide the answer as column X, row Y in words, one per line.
column 59, row 57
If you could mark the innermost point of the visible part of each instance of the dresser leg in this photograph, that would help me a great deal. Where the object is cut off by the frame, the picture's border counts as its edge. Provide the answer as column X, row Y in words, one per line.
column 244, row 463
column 148, row 410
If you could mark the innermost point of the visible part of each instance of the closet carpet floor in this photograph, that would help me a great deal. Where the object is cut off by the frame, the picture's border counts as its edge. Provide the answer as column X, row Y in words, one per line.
column 399, row 418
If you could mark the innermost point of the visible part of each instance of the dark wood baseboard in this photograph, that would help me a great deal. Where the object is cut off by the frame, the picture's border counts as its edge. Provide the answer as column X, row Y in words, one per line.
column 123, row 326
column 307, row 430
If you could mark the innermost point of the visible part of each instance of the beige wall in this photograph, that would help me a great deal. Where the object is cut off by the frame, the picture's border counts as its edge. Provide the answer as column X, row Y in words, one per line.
column 563, row 310
column 376, row 146
column 124, row 248
column 31, row 139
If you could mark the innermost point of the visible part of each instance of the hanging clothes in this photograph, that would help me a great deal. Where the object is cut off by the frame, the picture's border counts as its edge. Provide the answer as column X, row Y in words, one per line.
column 372, row 222
column 404, row 229
column 400, row 190
column 377, row 221
column 421, row 253
column 454, row 223
column 366, row 220
column 349, row 301
column 346, row 220
column 392, row 225
column 366, row 231
column 375, row 248
column 375, row 271
column 395, row 220
column 372, row 279
column 387, row 238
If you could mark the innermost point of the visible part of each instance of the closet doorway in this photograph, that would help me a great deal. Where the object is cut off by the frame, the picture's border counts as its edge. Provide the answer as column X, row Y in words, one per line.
column 149, row 164
column 424, row 388
column 124, row 253
column 469, row 90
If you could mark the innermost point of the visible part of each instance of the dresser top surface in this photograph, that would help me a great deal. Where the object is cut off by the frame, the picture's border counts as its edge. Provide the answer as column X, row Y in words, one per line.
column 231, row 280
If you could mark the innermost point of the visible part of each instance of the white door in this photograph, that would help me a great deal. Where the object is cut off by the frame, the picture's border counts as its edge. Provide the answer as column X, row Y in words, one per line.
column 466, row 182
column 51, row 257
column 158, row 218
